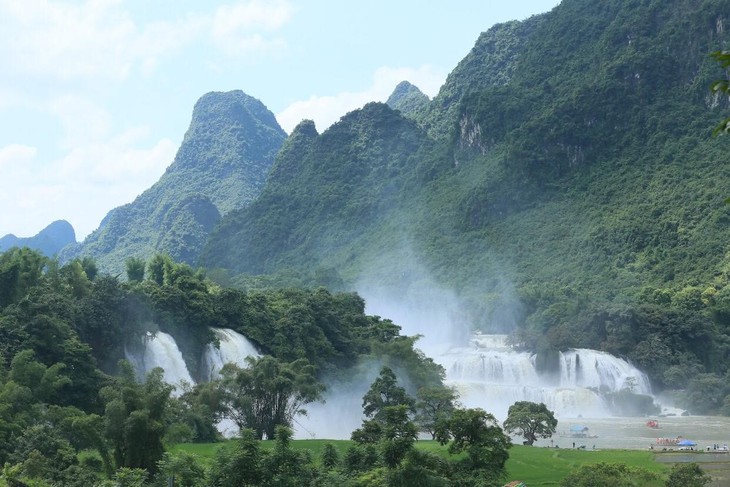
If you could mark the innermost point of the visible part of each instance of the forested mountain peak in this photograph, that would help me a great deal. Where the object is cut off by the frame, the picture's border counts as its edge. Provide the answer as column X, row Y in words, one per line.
column 323, row 194
column 407, row 99
column 221, row 165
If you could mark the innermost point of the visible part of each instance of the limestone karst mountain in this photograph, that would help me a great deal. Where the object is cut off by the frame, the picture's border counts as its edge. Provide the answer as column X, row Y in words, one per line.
column 221, row 166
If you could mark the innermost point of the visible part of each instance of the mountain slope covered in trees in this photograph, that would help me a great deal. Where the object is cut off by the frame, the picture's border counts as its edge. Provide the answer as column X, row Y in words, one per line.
column 564, row 183
column 221, row 165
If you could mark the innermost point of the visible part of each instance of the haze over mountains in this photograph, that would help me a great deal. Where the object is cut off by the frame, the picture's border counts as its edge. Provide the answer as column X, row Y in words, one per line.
column 48, row 241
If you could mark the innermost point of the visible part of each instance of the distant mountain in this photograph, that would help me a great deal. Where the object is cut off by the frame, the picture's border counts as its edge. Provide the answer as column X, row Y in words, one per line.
column 324, row 195
column 407, row 99
column 221, row 166
column 48, row 241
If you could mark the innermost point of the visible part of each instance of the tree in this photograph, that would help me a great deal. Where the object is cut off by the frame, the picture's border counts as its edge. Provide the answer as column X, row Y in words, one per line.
column 608, row 475
column 687, row 475
column 20, row 270
column 530, row 420
column 329, row 458
column 722, row 86
column 284, row 466
column 182, row 468
column 434, row 405
column 239, row 467
column 135, row 269
column 476, row 433
column 385, row 392
column 268, row 393
column 134, row 418
column 399, row 434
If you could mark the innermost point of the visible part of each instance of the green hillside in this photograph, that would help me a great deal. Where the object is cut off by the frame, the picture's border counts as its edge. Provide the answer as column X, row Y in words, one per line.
column 564, row 183
column 221, row 165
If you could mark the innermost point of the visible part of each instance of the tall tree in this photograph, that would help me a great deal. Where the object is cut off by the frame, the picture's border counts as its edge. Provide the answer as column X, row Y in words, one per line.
column 385, row 392
column 269, row 393
column 530, row 420
column 134, row 418
column 434, row 405
column 476, row 433
column 135, row 269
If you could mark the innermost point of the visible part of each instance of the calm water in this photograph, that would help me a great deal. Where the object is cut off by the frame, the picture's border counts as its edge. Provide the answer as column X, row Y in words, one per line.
column 632, row 433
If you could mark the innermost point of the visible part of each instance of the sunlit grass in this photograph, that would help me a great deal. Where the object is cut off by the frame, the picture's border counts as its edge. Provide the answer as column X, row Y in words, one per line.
column 533, row 465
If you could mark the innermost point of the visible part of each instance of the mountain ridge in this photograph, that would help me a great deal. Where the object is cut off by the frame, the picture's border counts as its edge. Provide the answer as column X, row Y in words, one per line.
column 49, row 241
column 221, row 165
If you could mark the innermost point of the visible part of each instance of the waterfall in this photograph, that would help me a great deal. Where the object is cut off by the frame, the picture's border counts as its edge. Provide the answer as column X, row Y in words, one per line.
column 491, row 375
column 233, row 347
column 160, row 350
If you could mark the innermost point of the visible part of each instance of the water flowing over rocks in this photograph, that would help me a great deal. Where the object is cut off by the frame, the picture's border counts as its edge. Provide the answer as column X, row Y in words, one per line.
column 490, row 374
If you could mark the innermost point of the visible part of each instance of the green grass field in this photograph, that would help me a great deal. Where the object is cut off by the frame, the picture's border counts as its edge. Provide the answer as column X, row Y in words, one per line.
column 533, row 465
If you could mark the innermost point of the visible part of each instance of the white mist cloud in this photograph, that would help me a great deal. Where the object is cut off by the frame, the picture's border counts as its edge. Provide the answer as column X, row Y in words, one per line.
column 327, row 109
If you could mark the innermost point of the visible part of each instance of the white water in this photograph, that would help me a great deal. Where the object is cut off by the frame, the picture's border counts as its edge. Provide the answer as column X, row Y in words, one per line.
column 234, row 348
column 491, row 375
column 160, row 350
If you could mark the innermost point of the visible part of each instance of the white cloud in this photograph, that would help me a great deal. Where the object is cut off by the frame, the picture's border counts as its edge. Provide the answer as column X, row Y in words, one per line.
column 252, row 15
column 82, row 186
column 82, row 120
column 326, row 110
column 16, row 156
column 100, row 39
column 66, row 40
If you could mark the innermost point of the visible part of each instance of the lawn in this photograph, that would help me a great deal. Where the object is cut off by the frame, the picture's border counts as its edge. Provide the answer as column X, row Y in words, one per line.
column 548, row 466
column 533, row 465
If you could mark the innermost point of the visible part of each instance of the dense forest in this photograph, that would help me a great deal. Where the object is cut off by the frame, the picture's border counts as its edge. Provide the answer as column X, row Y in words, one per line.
column 74, row 410
column 564, row 187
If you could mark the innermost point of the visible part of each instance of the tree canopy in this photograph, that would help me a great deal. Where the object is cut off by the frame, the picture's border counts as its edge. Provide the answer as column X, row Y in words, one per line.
column 530, row 420
column 268, row 393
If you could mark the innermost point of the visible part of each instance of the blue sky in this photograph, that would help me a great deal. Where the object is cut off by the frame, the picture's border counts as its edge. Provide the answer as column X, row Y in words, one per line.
column 95, row 96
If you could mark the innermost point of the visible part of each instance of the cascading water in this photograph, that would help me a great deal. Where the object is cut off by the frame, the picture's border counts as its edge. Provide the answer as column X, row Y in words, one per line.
column 491, row 375
column 160, row 350
column 233, row 347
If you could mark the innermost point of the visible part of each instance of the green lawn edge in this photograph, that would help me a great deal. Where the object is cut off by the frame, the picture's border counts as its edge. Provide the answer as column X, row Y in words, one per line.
column 535, row 466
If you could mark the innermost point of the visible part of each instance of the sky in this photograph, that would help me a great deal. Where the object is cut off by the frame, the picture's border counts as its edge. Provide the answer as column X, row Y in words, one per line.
column 96, row 96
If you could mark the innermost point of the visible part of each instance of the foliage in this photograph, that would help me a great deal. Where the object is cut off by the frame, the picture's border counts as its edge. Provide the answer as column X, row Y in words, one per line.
column 134, row 418
column 476, row 433
column 722, row 86
column 434, row 405
column 687, row 475
column 385, row 392
column 608, row 475
column 530, row 420
column 268, row 393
